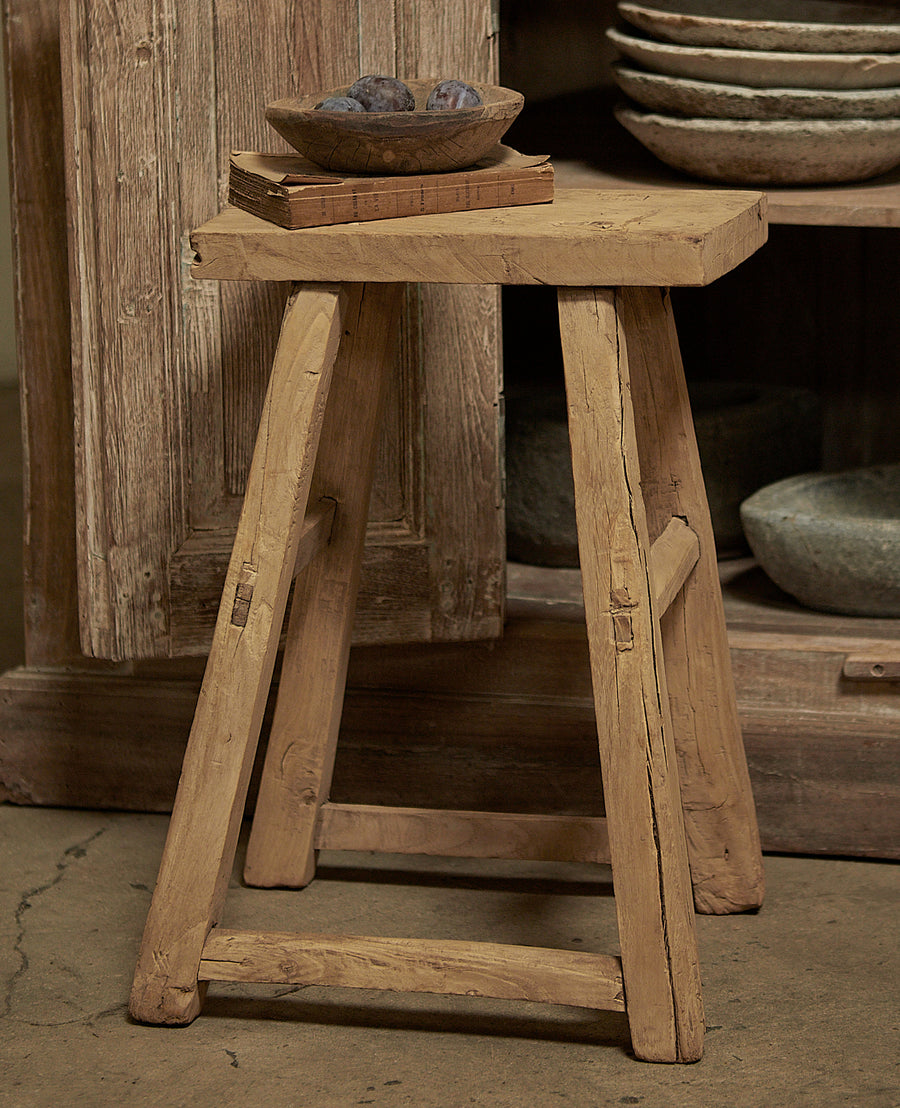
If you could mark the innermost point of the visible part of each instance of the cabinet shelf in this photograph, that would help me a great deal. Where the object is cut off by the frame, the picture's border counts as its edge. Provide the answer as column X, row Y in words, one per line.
column 874, row 204
column 591, row 149
column 759, row 615
column 821, row 741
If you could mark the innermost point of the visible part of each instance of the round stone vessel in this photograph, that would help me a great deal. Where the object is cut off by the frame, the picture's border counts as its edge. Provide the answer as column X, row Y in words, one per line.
column 748, row 435
column 831, row 540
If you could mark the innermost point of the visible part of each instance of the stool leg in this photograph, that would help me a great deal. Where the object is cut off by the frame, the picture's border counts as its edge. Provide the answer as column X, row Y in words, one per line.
column 640, row 779
column 202, row 839
column 300, row 755
column 723, row 839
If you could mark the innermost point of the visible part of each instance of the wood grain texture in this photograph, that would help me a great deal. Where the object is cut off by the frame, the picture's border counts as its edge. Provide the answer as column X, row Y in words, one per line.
column 125, row 339
column 640, row 776
column 672, row 557
column 468, row 502
column 200, row 846
column 462, row 834
column 822, row 751
column 416, row 965
column 170, row 373
column 585, row 237
column 873, row 665
column 296, row 777
column 721, row 820
column 869, row 204
column 43, row 341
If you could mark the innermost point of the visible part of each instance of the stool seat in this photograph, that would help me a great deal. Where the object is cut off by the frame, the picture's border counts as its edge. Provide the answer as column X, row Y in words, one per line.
column 680, row 829
column 673, row 237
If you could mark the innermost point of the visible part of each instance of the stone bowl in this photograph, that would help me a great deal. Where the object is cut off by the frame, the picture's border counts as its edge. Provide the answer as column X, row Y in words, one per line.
column 768, row 151
column 760, row 68
column 682, row 96
column 806, row 26
column 419, row 141
column 831, row 540
column 748, row 435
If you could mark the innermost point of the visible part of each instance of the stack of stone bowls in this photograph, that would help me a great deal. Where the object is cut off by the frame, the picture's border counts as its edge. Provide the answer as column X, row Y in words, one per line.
column 762, row 92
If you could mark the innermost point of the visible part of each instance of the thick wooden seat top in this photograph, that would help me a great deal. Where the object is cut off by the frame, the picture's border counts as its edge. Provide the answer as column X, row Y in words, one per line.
column 585, row 237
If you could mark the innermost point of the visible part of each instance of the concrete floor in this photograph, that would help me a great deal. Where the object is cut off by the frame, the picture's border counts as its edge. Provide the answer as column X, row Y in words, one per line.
column 801, row 998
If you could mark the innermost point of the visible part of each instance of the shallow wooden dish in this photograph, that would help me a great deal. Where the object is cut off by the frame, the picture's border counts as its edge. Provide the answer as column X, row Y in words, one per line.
column 419, row 141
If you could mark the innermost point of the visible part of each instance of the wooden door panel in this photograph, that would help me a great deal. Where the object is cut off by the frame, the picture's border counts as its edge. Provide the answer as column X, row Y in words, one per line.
column 169, row 373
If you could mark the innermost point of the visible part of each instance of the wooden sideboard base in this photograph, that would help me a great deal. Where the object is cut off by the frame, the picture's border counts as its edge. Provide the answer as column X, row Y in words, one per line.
column 825, row 778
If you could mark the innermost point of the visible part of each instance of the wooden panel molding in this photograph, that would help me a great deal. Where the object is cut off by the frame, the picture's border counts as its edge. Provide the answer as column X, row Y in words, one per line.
column 169, row 372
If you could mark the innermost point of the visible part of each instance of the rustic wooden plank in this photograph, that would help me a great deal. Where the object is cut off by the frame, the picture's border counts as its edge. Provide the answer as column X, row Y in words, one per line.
column 171, row 372
column 197, row 574
column 459, row 326
column 117, row 65
column 868, row 204
column 672, row 557
column 193, row 190
column 583, row 238
column 824, row 779
column 416, row 965
column 315, row 533
column 200, row 846
column 300, row 757
column 459, row 40
column 43, row 354
column 462, row 834
column 872, row 666
column 726, row 866
column 640, row 779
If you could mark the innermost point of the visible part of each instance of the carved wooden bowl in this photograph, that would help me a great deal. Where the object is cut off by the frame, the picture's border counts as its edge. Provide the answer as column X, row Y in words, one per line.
column 419, row 141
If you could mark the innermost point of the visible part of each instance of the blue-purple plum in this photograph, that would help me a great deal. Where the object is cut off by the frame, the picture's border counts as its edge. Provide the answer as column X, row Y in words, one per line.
column 340, row 104
column 382, row 94
column 452, row 94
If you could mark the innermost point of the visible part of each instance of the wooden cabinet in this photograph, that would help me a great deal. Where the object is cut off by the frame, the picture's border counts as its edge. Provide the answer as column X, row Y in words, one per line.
column 141, row 388
column 169, row 372
column 142, row 398
column 817, row 307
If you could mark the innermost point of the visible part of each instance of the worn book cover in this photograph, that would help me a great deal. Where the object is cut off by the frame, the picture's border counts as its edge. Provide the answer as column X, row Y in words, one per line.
column 289, row 190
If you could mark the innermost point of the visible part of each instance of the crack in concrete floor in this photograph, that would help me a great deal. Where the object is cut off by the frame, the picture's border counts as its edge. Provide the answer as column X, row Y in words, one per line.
column 71, row 854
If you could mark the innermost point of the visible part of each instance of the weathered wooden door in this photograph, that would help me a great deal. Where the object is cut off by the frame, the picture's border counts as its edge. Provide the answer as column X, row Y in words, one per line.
column 169, row 373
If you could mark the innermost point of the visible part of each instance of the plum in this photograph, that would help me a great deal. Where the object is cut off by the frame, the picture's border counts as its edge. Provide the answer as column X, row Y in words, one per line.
column 382, row 94
column 452, row 94
column 340, row 104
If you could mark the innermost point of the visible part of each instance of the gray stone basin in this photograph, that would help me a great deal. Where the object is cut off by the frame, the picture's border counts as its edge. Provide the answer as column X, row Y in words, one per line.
column 748, row 435
column 831, row 540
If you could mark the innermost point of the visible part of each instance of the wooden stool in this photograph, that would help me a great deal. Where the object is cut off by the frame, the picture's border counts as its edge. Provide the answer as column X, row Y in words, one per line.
column 612, row 255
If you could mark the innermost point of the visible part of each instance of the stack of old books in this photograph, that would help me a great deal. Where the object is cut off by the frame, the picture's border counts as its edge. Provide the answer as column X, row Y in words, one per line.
column 289, row 190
